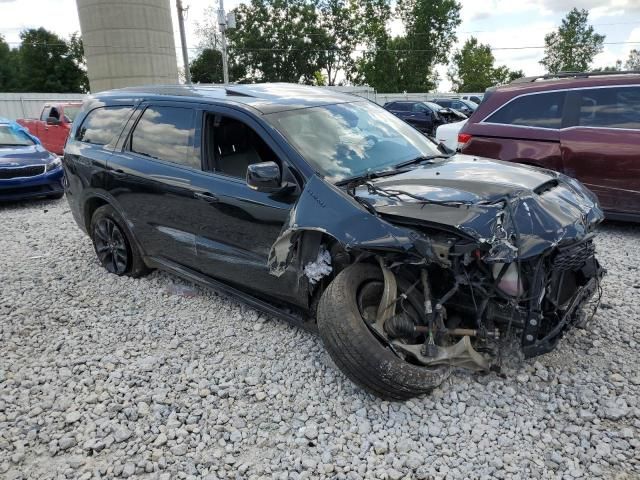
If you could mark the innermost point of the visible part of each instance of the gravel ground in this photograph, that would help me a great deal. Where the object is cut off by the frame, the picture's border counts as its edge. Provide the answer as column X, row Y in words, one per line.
column 104, row 377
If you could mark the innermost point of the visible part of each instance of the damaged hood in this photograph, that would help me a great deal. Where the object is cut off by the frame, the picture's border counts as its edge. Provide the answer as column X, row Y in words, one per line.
column 497, row 201
column 511, row 211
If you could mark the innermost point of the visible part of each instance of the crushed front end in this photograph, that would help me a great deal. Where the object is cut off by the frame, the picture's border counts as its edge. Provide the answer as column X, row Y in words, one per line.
column 520, row 263
column 468, row 259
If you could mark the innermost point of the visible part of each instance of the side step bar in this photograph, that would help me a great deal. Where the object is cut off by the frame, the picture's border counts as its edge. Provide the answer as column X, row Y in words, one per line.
column 208, row 282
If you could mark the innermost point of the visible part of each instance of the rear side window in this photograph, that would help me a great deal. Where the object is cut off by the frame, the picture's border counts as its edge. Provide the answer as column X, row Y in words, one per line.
column 610, row 107
column 166, row 133
column 402, row 107
column 542, row 110
column 103, row 125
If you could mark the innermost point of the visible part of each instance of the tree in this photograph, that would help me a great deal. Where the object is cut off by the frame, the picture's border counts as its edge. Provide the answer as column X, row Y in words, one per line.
column 276, row 40
column 633, row 62
column 472, row 68
column 407, row 63
column 8, row 67
column 207, row 67
column 337, row 38
column 430, row 27
column 76, row 52
column 573, row 46
column 47, row 64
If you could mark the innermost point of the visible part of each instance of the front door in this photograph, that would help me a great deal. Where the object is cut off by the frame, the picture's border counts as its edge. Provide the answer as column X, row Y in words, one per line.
column 602, row 148
column 238, row 225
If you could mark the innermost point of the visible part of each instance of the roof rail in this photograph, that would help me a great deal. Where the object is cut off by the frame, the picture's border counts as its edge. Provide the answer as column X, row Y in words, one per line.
column 550, row 76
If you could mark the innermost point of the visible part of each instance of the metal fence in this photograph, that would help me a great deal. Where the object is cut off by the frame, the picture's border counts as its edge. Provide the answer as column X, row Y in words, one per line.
column 29, row 105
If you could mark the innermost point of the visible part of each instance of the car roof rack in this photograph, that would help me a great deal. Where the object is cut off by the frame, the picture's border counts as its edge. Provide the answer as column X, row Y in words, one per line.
column 560, row 75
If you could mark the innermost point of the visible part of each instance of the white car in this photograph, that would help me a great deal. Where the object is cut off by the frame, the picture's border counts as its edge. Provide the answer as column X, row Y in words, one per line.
column 448, row 134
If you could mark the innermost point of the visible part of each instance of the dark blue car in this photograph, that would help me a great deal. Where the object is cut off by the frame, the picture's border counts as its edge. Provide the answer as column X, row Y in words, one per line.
column 27, row 169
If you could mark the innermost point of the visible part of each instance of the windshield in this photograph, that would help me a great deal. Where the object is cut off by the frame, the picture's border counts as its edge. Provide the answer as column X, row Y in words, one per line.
column 71, row 113
column 351, row 139
column 13, row 137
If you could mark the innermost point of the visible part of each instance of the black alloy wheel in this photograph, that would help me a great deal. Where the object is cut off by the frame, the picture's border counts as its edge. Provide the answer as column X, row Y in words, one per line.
column 111, row 246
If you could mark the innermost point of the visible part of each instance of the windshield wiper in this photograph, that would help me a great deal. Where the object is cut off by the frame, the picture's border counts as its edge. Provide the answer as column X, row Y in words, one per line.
column 421, row 159
column 357, row 179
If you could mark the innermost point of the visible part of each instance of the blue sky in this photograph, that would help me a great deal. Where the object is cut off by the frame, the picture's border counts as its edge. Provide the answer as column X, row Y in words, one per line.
column 503, row 24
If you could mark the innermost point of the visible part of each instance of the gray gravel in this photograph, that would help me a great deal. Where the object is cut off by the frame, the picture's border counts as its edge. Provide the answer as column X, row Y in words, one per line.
column 104, row 377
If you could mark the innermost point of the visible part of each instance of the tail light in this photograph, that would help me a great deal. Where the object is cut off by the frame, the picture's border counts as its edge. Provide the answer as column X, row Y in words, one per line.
column 463, row 139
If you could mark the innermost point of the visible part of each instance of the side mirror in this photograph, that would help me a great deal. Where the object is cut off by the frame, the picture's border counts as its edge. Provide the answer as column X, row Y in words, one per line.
column 264, row 177
column 53, row 121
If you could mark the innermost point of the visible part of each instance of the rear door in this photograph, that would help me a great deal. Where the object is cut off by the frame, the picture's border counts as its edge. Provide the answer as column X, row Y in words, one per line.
column 602, row 146
column 525, row 130
column 153, row 177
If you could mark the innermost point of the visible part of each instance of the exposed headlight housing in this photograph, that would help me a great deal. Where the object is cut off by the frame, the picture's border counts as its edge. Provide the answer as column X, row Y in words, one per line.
column 52, row 165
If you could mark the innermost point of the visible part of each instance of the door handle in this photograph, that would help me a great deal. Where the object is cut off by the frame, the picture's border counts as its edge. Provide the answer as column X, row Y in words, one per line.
column 206, row 196
column 118, row 173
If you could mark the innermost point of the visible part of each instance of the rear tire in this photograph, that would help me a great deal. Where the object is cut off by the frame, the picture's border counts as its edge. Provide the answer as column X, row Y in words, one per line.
column 114, row 244
column 358, row 353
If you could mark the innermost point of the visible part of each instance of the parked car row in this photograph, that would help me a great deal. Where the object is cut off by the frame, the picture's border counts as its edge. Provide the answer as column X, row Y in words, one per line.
column 425, row 116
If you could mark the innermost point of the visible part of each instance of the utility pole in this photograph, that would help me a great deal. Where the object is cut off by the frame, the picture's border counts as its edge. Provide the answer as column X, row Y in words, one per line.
column 183, row 40
column 222, row 24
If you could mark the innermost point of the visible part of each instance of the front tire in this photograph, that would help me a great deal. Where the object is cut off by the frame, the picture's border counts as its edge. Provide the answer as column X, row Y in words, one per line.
column 114, row 245
column 357, row 352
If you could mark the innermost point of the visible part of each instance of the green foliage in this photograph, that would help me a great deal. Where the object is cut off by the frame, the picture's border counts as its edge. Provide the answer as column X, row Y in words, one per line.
column 274, row 40
column 472, row 68
column 338, row 37
column 293, row 40
column 407, row 63
column 633, row 62
column 573, row 46
column 207, row 67
column 43, row 62
column 8, row 67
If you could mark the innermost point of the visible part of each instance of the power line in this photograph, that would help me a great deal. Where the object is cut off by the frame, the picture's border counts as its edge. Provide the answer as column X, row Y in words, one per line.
column 125, row 48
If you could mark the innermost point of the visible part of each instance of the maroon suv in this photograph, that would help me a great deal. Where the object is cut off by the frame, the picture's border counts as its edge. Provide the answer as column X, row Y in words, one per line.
column 584, row 125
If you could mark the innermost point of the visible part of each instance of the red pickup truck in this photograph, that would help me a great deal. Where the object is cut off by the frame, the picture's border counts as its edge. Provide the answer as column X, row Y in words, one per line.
column 52, row 128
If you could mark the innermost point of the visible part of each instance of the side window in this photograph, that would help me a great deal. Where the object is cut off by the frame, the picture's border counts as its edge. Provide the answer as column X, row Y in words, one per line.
column 543, row 110
column 45, row 113
column 445, row 103
column 401, row 106
column 232, row 146
column 102, row 125
column 610, row 107
column 166, row 133
column 54, row 113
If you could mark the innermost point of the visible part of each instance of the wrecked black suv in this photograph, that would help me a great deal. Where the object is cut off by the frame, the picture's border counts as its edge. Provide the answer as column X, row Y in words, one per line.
column 329, row 211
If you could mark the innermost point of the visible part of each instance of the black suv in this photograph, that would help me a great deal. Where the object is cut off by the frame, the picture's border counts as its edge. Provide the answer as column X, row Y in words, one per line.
column 425, row 116
column 327, row 210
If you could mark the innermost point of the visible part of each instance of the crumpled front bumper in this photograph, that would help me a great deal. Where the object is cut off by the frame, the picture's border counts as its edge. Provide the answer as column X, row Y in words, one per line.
column 559, row 295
